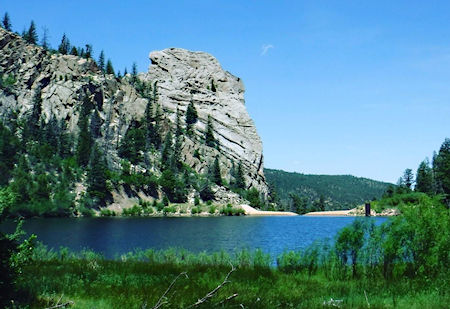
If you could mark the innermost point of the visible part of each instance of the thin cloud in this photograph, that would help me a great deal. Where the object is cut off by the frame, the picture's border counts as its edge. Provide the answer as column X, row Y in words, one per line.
column 265, row 48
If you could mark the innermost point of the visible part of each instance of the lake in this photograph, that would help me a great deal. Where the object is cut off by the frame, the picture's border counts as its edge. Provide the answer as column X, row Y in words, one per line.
column 115, row 236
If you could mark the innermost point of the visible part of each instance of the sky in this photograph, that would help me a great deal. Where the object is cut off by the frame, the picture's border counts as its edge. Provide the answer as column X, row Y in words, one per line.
column 334, row 87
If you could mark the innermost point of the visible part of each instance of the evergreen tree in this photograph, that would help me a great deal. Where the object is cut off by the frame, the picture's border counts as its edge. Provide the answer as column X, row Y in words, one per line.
column 31, row 36
column 109, row 68
column 157, row 128
column 213, row 87
column 64, row 47
column 133, row 144
column 101, row 62
column 424, row 178
column 44, row 40
column 42, row 190
column 74, row 51
column 97, row 176
column 253, row 197
column 408, row 178
column 176, row 155
column 9, row 146
column 216, row 176
column 85, row 141
column 299, row 204
column 33, row 129
column 134, row 73
column 191, row 118
column 209, row 134
column 442, row 168
column 125, row 72
column 240, row 180
column 22, row 181
column 6, row 22
column 166, row 151
column 88, row 51
column 96, row 124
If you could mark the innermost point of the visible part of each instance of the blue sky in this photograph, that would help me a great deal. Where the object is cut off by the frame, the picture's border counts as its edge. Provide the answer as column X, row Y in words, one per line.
column 334, row 87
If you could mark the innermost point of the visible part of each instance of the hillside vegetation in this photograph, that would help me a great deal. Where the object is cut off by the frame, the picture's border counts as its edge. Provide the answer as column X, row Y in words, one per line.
column 322, row 192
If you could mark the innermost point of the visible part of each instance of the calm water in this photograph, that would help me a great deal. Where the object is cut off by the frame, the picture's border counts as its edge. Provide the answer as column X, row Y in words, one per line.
column 113, row 236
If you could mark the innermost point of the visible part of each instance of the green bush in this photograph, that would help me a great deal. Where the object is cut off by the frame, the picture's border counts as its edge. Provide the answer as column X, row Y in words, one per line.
column 136, row 210
column 107, row 213
column 212, row 209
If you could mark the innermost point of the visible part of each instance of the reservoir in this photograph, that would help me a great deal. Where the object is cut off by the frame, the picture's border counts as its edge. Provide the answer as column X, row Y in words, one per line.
column 115, row 236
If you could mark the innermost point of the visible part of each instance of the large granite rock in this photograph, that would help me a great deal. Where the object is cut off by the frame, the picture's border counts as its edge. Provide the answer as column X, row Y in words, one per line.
column 182, row 76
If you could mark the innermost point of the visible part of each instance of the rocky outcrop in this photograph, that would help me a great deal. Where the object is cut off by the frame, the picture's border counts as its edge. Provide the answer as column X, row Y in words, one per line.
column 181, row 76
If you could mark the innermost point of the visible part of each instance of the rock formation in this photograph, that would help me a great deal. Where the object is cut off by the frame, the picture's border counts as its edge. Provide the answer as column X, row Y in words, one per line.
column 180, row 76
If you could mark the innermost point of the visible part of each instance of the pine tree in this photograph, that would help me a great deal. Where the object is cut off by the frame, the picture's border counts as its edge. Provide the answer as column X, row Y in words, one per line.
column 408, row 178
column 32, row 36
column 9, row 146
column 7, row 22
column 33, row 129
column 216, row 176
column 209, row 134
column 424, row 178
column 101, row 62
column 240, row 180
column 125, row 72
column 88, row 51
column 191, row 118
column 74, row 51
column 97, row 176
column 166, row 151
column 22, row 181
column 64, row 47
column 44, row 40
column 84, row 144
column 134, row 73
column 109, row 68
column 442, row 168
column 176, row 155
column 213, row 87
column 158, row 117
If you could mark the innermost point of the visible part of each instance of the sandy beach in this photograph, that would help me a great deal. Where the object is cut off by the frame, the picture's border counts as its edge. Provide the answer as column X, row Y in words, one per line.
column 250, row 211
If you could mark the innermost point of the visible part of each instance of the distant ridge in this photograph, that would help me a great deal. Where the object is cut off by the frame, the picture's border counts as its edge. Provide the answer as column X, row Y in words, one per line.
column 338, row 191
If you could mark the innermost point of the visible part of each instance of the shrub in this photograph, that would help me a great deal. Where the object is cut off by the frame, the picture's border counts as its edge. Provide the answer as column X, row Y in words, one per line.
column 136, row 210
column 107, row 212
column 212, row 209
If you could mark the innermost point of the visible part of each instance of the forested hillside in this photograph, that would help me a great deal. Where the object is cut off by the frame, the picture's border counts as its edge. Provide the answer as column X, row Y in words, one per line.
column 321, row 192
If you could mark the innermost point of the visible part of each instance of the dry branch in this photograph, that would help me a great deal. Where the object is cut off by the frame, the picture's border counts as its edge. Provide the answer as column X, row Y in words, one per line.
column 214, row 291
column 163, row 299
column 68, row 303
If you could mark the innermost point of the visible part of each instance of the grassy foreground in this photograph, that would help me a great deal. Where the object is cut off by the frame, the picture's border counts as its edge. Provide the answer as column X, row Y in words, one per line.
column 402, row 263
column 98, row 283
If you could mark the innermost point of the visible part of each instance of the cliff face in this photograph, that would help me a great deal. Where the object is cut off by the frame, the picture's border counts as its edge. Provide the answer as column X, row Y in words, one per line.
column 181, row 76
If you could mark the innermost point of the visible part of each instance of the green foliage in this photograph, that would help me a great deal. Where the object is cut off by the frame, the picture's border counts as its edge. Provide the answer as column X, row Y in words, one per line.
column 397, row 201
column 216, row 176
column 254, row 198
column 209, row 134
column 206, row 193
column 229, row 210
column 133, row 144
column 101, row 61
column 299, row 204
column 31, row 36
column 340, row 192
column 9, row 146
column 441, row 166
column 191, row 118
column 239, row 179
column 172, row 187
column 109, row 68
column 424, row 178
column 64, row 46
column 104, row 212
column 97, row 177
column 6, row 22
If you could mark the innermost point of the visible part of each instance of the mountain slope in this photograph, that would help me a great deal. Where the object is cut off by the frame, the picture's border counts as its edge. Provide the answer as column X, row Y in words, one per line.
column 106, row 139
column 338, row 191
